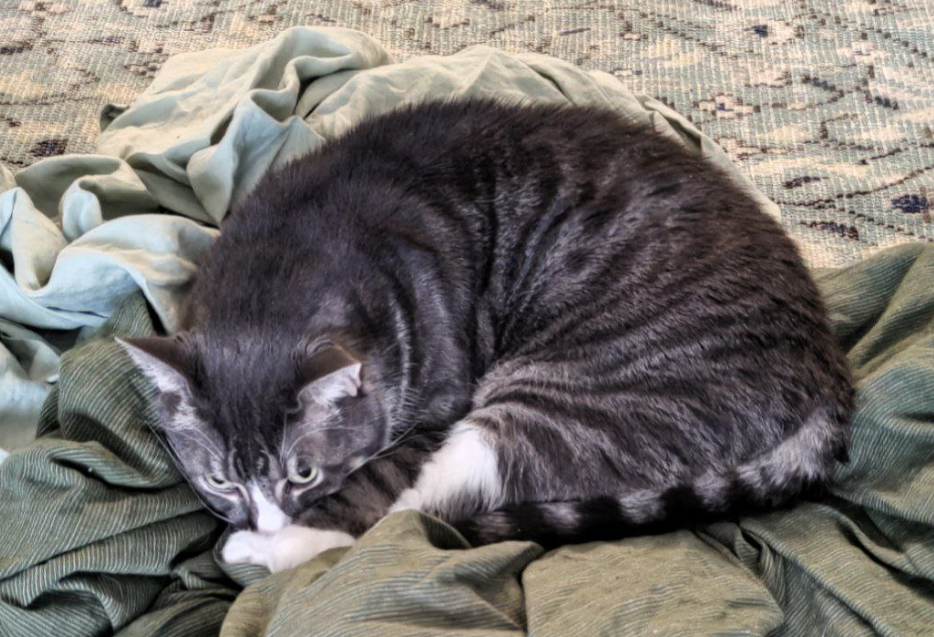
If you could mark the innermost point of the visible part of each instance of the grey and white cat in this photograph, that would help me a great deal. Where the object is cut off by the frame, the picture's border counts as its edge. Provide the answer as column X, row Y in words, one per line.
column 536, row 322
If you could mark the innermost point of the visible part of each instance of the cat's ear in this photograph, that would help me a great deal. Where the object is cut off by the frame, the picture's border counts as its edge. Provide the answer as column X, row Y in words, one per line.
column 329, row 375
column 163, row 359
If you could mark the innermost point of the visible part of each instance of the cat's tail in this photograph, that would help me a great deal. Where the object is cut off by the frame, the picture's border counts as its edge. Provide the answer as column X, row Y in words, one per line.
column 800, row 464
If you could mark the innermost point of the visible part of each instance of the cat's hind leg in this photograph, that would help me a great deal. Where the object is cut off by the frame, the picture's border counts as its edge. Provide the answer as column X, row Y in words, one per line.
column 460, row 478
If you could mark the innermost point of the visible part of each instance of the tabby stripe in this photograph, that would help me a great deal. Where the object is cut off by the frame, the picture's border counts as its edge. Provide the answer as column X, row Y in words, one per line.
column 547, row 406
column 571, row 319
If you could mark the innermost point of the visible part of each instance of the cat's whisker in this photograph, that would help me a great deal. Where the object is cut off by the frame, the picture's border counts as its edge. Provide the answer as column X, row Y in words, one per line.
column 311, row 432
column 173, row 455
column 190, row 427
column 282, row 438
column 212, row 450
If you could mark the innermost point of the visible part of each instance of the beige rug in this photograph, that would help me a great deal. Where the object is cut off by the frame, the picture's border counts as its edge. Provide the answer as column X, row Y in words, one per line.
column 828, row 105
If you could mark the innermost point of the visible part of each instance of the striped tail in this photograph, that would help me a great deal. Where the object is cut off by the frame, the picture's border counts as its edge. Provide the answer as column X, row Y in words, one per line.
column 799, row 465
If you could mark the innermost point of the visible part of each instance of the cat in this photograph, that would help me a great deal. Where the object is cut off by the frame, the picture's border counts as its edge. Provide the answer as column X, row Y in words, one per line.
column 536, row 322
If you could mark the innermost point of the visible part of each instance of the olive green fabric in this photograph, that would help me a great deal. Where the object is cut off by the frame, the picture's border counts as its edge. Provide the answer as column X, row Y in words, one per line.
column 78, row 232
column 100, row 535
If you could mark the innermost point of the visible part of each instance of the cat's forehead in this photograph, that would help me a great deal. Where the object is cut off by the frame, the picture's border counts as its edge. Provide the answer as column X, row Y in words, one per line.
column 265, row 463
column 243, row 351
column 245, row 374
column 251, row 455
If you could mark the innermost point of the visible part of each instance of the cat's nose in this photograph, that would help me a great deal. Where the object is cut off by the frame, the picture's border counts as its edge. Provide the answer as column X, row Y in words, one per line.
column 266, row 515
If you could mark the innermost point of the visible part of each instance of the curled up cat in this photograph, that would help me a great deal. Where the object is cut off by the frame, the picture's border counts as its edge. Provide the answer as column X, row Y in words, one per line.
column 536, row 322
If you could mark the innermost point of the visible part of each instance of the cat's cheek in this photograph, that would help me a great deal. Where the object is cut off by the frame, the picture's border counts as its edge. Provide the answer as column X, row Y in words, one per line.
column 294, row 545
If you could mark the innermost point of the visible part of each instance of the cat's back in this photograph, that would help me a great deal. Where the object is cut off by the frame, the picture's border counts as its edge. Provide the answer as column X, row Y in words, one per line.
column 440, row 143
column 524, row 193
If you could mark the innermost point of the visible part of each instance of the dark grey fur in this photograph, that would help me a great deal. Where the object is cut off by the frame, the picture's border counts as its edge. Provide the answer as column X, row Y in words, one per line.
column 643, row 346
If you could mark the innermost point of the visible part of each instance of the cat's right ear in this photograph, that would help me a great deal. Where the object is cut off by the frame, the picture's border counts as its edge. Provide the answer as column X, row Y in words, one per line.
column 163, row 359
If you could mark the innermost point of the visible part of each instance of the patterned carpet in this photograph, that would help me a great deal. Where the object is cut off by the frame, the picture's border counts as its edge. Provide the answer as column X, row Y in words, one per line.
column 828, row 105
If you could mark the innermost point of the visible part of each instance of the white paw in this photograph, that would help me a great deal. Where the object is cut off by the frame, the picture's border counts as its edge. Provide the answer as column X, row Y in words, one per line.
column 294, row 545
column 409, row 500
column 247, row 547
column 284, row 549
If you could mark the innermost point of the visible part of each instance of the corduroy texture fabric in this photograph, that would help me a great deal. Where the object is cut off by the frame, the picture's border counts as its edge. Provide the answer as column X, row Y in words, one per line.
column 100, row 535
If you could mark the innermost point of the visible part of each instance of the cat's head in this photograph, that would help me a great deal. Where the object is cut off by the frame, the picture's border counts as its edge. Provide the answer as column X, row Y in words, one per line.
column 262, row 431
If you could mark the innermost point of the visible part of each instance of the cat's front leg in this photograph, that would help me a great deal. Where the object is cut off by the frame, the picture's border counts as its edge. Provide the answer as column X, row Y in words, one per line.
column 247, row 547
column 288, row 547
column 296, row 544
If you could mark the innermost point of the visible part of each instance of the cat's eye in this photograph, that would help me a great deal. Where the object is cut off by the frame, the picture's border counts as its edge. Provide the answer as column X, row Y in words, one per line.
column 219, row 482
column 303, row 474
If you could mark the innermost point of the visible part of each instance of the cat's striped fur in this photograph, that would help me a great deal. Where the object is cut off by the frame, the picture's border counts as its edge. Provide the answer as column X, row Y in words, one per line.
column 571, row 328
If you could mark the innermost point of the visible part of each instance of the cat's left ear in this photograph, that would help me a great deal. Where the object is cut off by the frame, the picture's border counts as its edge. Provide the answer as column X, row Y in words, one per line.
column 163, row 359
column 329, row 375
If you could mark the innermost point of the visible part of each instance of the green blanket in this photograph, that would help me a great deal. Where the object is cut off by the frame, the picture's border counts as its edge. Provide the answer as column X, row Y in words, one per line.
column 79, row 232
column 100, row 534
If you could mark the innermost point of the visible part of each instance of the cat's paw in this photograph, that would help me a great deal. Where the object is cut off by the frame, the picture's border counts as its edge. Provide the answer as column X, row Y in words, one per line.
column 294, row 545
column 409, row 500
column 247, row 547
